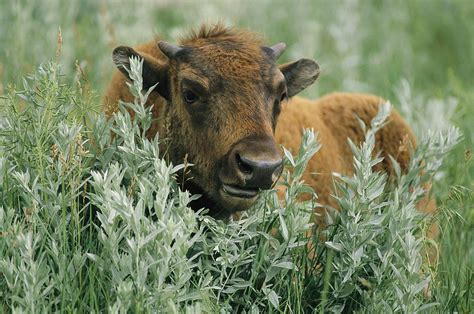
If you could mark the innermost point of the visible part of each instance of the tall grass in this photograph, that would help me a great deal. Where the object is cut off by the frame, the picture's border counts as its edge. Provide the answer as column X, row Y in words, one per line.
column 67, row 188
column 92, row 221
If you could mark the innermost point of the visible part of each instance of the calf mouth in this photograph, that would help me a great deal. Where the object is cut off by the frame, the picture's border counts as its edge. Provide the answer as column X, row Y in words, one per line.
column 239, row 192
column 230, row 198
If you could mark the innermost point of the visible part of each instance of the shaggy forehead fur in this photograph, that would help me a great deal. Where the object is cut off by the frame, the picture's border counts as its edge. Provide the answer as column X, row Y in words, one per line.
column 231, row 53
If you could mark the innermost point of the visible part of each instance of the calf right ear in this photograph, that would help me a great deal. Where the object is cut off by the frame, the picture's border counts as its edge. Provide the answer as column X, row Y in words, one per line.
column 299, row 75
column 153, row 72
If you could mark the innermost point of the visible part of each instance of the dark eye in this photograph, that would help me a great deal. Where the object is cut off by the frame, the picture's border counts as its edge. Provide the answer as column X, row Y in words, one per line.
column 189, row 96
column 283, row 97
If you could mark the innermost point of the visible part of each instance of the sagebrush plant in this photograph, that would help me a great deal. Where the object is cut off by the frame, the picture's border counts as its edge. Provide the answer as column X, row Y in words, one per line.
column 92, row 221
column 380, row 235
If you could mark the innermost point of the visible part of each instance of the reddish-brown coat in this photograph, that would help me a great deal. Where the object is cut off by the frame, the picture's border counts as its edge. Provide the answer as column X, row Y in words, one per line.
column 333, row 117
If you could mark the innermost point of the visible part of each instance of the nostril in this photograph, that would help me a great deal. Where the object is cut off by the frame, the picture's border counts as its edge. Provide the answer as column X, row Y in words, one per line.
column 243, row 167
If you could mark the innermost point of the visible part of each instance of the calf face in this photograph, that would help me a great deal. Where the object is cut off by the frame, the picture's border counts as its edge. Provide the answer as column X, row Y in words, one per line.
column 223, row 97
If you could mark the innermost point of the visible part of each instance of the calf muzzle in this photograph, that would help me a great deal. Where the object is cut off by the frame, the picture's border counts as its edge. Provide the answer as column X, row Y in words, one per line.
column 256, row 163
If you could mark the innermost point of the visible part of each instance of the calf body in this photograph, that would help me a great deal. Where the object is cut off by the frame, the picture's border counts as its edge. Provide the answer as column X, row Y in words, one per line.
column 225, row 106
column 334, row 118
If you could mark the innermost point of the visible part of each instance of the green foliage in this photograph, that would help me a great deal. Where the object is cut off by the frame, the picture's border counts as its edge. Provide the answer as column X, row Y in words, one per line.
column 60, row 170
column 378, row 239
column 92, row 221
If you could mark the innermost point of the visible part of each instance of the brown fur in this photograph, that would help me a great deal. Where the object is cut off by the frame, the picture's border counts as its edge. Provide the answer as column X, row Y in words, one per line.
column 333, row 117
column 234, row 59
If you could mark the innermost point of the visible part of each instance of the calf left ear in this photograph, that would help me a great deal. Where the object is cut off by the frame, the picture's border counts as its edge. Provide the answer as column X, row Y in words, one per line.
column 153, row 71
column 299, row 75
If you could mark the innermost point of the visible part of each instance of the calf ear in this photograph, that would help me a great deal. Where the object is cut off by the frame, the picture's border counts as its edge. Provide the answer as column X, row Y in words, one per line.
column 299, row 75
column 153, row 71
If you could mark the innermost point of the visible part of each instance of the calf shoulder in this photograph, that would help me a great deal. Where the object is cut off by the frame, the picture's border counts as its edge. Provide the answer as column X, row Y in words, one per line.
column 334, row 118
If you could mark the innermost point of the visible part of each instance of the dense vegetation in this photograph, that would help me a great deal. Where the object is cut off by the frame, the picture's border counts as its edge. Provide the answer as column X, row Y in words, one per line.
column 94, row 222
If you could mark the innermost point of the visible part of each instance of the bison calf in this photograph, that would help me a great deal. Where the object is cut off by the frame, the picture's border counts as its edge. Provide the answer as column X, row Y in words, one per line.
column 225, row 105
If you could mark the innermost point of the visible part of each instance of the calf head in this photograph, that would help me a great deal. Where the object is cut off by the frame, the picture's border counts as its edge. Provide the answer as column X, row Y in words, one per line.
column 223, row 92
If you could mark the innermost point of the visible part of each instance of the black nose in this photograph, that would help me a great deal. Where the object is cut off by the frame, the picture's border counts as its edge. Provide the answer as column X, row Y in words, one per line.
column 259, row 173
column 256, row 163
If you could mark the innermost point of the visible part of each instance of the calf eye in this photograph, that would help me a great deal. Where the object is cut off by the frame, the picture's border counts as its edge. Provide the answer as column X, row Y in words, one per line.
column 189, row 96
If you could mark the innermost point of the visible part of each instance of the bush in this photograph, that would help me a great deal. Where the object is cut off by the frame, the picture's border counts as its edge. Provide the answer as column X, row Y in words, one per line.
column 94, row 222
